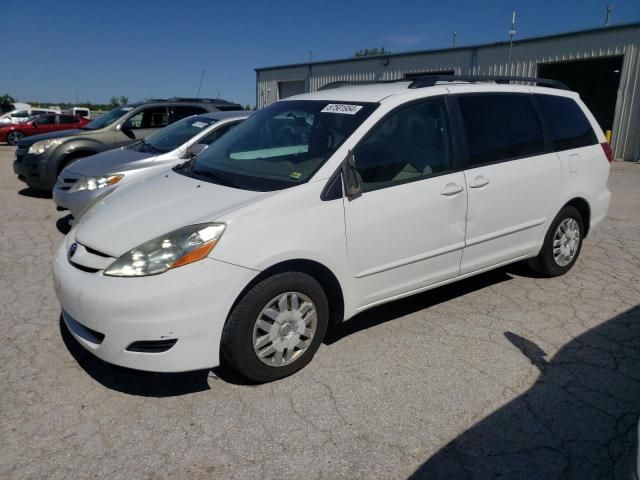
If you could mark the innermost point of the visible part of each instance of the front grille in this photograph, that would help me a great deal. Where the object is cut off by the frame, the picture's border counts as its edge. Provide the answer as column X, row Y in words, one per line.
column 83, row 268
column 88, row 259
column 152, row 346
column 96, row 252
column 66, row 183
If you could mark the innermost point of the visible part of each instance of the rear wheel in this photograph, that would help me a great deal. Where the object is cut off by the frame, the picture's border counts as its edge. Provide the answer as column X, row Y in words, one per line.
column 562, row 244
column 13, row 138
column 276, row 327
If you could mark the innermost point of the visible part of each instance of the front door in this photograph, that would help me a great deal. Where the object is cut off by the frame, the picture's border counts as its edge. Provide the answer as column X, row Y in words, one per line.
column 406, row 230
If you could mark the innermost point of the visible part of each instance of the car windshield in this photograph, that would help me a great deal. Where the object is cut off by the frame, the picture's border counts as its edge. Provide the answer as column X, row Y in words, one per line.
column 107, row 119
column 171, row 137
column 280, row 146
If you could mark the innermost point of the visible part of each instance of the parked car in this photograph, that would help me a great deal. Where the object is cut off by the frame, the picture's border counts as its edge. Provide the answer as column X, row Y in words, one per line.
column 90, row 179
column 47, row 123
column 7, row 106
column 41, row 158
column 24, row 115
column 82, row 111
column 323, row 205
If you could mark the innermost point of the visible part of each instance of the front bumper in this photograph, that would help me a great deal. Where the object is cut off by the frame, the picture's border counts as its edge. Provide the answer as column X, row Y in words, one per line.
column 190, row 304
column 77, row 202
column 31, row 169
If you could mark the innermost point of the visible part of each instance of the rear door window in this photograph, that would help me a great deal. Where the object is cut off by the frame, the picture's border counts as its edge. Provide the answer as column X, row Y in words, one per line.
column 67, row 119
column 568, row 125
column 180, row 112
column 155, row 117
column 500, row 127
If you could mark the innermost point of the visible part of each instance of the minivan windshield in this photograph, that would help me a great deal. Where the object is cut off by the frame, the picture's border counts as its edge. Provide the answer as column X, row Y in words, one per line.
column 280, row 146
column 174, row 135
column 107, row 119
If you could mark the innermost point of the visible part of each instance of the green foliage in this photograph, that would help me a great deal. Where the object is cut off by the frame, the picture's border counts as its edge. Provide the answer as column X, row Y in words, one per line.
column 6, row 98
column 368, row 52
column 248, row 107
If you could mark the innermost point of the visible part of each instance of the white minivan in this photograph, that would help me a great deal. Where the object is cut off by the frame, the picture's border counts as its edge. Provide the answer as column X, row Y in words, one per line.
column 323, row 205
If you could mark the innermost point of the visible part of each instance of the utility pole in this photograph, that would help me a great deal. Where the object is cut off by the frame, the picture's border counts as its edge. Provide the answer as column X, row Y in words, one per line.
column 512, row 32
column 455, row 34
column 310, row 56
column 608, row 17
column 200, row 84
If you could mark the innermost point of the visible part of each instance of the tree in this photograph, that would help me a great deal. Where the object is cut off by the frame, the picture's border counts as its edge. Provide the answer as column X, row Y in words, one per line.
column 248, row 107
column 370, row 52
column 6, row 102
column 116, row 102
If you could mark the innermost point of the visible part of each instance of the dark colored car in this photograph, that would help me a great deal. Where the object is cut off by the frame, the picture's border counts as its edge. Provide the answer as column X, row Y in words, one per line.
column 39, row 159
column 50, row 122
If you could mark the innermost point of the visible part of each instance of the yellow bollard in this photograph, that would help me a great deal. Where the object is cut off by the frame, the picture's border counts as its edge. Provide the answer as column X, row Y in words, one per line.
column 607, row 134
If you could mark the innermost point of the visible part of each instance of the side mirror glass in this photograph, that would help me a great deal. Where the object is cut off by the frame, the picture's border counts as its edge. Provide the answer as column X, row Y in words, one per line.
column 352, row 186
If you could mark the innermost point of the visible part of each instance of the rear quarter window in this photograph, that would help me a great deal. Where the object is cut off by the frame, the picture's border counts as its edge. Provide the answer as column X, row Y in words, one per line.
column 568, row 126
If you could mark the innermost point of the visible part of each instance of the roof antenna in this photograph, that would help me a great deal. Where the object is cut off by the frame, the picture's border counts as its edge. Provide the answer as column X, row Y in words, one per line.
column 200, row 84
column 608, row 17
column 512, row 32
column 455, row 34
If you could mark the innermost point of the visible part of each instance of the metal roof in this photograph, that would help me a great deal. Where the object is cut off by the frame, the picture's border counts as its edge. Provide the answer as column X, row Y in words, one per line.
column 451, row 49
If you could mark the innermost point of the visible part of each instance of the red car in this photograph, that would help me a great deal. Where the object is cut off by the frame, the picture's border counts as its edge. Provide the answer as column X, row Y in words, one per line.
column 49, row 122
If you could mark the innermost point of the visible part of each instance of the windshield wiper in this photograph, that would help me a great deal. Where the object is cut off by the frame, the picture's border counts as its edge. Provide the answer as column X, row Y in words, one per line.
column 213, row 176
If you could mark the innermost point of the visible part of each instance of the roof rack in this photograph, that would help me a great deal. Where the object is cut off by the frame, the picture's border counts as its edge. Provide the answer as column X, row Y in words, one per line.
column 191, row 99
column 431, row 80
column 421, row 81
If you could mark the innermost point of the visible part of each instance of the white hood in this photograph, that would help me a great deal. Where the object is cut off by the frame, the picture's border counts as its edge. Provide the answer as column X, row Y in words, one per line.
column 152, row 207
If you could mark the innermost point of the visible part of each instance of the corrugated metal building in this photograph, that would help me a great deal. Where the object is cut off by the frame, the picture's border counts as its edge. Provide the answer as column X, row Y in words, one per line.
column 601, row 64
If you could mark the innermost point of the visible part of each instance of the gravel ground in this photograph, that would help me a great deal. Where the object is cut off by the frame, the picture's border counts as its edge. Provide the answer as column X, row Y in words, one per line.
column 503, row 375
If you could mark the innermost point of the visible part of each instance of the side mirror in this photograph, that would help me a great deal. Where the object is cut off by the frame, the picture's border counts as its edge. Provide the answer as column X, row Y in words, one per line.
column 126, row 129
column 197, row 149
column 352, row 186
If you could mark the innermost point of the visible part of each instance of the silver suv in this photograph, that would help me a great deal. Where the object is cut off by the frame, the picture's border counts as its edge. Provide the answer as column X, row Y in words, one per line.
column 40, row 158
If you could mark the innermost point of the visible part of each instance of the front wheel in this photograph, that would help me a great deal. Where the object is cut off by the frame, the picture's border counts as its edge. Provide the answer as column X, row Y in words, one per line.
column 13, row 138
column 562, row 244
column 276, row 327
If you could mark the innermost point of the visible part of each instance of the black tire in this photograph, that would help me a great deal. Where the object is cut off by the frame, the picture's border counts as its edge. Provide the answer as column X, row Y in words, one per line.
column 237, row 335
column 545, row 263
column 13, row 138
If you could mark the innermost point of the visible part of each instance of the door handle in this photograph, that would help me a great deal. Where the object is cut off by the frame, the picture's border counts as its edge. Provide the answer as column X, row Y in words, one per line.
column 451, row 189
column 479, row 182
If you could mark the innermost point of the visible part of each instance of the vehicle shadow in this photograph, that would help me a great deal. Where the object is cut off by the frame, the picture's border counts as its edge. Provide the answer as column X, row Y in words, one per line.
column 33, row 193
column 63, row 224
column 400, row 308
column 578, row 421
column 134, row 382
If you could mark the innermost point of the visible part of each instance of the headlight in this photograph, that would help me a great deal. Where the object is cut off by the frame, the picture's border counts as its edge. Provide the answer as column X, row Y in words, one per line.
column 180, row 247
column 95, row 183
column 42, row 146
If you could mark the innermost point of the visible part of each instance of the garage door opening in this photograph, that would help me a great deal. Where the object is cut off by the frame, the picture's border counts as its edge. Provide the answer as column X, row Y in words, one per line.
column 595, row 80
column 289, row 89
column 414, row 75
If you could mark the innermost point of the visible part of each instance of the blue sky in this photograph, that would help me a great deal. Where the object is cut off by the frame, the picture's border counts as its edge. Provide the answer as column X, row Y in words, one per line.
column 139, row 48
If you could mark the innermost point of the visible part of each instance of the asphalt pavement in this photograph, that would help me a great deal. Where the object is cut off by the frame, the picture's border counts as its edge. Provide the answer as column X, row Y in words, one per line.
column 501, row 375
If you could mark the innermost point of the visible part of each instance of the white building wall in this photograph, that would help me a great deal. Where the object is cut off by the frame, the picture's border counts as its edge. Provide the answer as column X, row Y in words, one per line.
column 490, row 60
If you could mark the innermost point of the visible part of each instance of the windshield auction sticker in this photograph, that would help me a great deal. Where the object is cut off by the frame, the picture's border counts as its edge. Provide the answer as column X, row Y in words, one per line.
column 198, row 124
column 342, row 108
